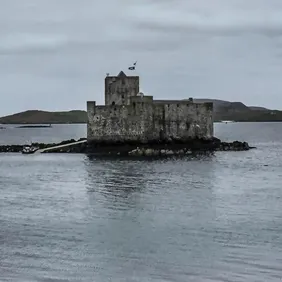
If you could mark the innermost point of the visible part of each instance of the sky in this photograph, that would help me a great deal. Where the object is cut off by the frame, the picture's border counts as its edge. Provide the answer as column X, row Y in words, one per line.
column 54, row 54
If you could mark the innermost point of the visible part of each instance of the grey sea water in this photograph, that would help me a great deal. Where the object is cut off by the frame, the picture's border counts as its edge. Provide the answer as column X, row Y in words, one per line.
column 72, row 218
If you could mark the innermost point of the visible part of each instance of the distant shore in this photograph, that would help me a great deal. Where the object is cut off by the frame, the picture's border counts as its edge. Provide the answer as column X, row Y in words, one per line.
column 45, row 125
column 36, row 117
column 36, row 125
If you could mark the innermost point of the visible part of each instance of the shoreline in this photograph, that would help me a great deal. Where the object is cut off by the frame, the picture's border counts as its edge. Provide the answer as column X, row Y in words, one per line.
column 44, row 124
column 156, row 148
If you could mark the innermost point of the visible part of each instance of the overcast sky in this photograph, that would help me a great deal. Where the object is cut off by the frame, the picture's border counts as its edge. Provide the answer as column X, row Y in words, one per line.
column 54, row 54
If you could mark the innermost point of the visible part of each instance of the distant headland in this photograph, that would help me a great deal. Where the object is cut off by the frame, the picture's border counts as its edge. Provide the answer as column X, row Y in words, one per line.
column 223, row 110
column 45, row 118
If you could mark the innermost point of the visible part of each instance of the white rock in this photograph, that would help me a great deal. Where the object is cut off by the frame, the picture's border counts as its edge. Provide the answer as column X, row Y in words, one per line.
column 149, row 152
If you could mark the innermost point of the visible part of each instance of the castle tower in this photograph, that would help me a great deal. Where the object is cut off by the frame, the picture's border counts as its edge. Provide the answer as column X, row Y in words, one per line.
column 119, row 89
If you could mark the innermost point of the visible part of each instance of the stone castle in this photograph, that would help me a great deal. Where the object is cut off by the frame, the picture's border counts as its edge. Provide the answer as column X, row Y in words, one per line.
column 131, row 116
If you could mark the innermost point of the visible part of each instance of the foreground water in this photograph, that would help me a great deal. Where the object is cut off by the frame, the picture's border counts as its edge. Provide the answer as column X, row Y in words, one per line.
column 72, row 218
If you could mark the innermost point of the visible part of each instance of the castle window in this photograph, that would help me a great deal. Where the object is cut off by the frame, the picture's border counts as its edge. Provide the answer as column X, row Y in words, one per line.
column 134, row 105
column 122, row 81
column 187, row 126
column 177, row 105
column 115, row 109
column 113, row 103
column 122, row 96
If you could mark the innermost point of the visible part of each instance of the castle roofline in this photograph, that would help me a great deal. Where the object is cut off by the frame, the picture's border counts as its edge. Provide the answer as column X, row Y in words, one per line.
column 121, row 75
column 128, row 76
column 170, row 101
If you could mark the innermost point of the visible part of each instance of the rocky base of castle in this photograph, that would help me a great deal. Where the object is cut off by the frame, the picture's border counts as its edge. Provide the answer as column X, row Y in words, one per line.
column 168, row 148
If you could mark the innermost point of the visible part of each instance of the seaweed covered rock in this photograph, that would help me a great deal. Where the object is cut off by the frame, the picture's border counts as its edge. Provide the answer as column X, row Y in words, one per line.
column 174, row 147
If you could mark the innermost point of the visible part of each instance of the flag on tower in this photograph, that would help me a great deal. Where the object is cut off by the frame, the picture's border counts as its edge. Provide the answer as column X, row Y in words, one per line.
column 133, row 67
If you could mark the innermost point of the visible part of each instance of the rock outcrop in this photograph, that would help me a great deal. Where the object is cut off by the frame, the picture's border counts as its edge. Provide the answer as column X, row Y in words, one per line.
column 170, row 147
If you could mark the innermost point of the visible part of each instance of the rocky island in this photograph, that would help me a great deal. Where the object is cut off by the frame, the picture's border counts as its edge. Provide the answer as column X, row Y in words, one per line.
column 130, row 149
column 133, row 124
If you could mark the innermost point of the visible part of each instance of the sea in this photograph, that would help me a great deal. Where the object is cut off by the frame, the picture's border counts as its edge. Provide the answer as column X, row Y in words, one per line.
column 72, row 217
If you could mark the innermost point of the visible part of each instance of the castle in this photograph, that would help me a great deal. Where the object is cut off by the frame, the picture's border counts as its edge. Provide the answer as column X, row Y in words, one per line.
column 130, row 116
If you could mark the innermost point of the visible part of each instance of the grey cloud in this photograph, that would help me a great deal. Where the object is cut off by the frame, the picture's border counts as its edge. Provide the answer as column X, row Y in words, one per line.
column 212, row 17
column 34, row 44
column 61, row 50
column 21, row 43
column 167, row 28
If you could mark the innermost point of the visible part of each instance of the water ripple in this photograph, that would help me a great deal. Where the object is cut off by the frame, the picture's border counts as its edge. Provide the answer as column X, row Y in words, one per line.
column 74, row 218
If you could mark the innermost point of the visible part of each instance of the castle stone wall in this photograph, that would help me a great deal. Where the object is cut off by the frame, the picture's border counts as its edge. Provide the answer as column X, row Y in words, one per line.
column 141, row 121
column 188, row 120
column 121, row 123
column 128, row 116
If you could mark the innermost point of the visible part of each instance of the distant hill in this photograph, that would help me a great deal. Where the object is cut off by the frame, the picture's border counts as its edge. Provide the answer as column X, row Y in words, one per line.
column 237, row 111
column 223, row 110
column 43, row 117
column 259, row 108
column 220, row 105
column 249, row 115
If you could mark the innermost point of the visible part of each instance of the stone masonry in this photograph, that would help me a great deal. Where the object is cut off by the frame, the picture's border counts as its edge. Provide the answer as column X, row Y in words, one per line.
column 130, row 116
